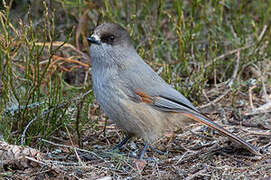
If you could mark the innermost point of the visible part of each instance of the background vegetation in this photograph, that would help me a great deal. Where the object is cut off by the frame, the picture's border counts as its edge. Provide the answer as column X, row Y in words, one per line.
column 214, row 52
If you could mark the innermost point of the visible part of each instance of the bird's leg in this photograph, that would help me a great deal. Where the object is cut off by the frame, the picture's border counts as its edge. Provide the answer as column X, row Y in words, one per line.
column 144, row 150
column 124, row 141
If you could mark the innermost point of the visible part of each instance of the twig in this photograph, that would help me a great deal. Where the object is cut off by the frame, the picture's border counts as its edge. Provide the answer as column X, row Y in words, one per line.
column 229, row 83
column 205, row 95
column 51, row 165
column 215, row 100
column 70, row 147
column 261, row 74
column 33, row 120
column 264, row 107
column 264, row 91
column 263, row 32
column 223, row 115
column 59, row 43
column 257, row 112
column 46, row 112
column 35, row 160
column 247, row 124
column 200, row 172
column 68, row 60
column 160, row 70
column 250, row 97
column 16, row 108
column 228, row 53
column 75, row 151
column 235, row 69
column 181, row 158
column 63, row 163
column 258, row 132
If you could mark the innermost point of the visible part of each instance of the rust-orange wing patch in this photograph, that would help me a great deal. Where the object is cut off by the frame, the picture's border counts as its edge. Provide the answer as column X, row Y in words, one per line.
column 144, row 96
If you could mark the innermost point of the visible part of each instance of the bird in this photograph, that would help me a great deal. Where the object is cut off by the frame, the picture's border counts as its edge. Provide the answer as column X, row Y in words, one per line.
column 134, row 96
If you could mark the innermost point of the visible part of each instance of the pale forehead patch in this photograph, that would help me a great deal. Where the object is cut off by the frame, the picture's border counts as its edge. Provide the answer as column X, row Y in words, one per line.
column 96, row 36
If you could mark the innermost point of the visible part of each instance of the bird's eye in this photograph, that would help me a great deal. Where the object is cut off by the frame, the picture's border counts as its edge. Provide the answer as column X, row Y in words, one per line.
column 111, row 38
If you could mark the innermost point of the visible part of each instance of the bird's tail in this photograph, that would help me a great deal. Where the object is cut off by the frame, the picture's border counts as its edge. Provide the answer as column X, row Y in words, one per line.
column 203, row 119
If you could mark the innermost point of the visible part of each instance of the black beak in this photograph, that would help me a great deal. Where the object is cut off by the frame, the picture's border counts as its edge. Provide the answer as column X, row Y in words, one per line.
column 93, row 40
